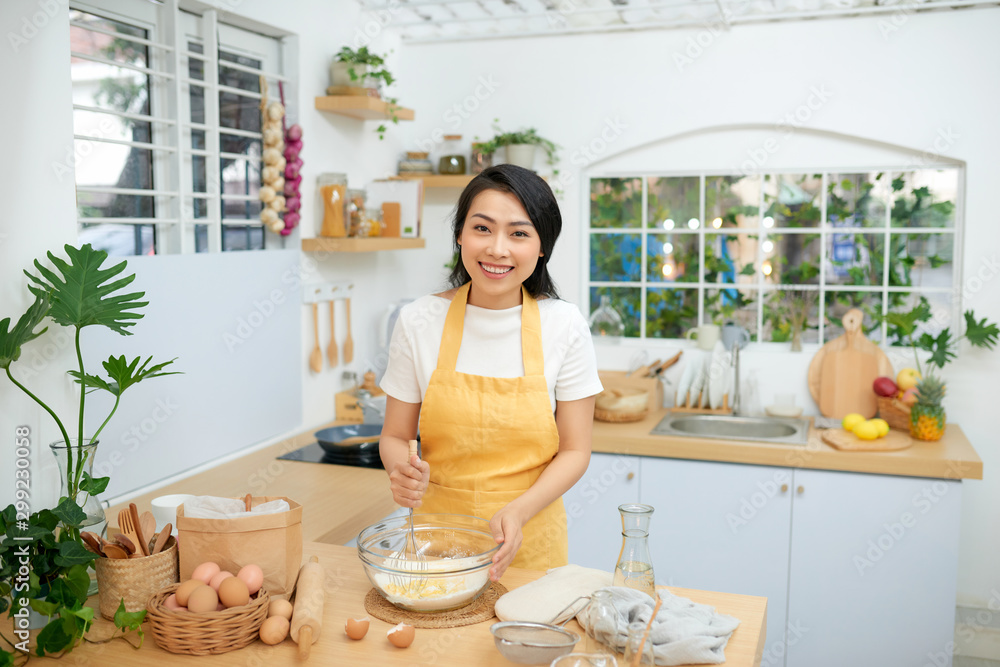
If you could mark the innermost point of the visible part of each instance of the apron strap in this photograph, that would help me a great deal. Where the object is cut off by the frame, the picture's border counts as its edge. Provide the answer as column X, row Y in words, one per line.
column 531, row 333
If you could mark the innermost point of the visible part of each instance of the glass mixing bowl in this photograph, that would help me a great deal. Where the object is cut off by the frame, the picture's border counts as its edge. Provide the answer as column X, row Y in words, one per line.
column 450, row 571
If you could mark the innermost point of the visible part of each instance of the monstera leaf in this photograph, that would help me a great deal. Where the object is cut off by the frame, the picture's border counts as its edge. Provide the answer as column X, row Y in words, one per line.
column 80, row 293
column 123, row 374
column 24, row 331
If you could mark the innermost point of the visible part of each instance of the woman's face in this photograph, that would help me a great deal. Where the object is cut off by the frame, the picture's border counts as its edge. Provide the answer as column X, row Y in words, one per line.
column 500, row 248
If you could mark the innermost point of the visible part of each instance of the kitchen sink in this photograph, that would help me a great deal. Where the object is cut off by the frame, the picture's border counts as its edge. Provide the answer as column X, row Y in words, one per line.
column 766, row 430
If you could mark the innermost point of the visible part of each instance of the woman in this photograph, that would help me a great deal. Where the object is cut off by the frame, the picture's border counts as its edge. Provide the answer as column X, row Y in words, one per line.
column 500, row 375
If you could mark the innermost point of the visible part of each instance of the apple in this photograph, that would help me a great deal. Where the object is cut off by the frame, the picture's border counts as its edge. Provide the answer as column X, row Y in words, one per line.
column 884, row 386
column 907, row 378
column 909, row 396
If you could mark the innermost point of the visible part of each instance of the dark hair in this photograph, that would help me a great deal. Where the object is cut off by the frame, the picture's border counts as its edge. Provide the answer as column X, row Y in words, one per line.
column 538, row 201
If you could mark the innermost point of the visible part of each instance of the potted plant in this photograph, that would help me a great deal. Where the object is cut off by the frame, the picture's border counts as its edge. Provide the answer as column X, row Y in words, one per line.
column 359, row 69
column 924, row 392
column 520, row 146
column 77, row 293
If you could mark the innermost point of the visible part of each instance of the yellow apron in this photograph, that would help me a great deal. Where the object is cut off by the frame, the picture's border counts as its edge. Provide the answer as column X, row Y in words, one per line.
column 488, row 439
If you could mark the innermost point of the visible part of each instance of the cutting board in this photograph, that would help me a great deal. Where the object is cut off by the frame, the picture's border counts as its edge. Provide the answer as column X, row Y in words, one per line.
column 841, row 439
column 842, row 372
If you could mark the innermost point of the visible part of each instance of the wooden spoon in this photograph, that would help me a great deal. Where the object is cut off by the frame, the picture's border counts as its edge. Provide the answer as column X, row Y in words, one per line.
column 316, row 356
column 161, row 539
column 92, row 542
column 148, row 524
column 348, row 342
column 140, row 540
column 125, row 543
column 331, row 349
column 115, row 551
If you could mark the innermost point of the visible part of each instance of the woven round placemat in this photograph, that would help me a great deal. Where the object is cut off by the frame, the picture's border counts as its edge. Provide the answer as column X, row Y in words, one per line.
column 481, row 609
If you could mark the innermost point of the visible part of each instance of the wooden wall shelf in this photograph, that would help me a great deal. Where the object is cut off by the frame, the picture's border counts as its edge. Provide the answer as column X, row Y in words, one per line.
column 439, row 180
column 327, row 244
column 363, row 108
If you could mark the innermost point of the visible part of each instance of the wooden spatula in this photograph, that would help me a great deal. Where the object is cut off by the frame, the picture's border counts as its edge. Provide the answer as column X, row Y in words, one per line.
column 161, row 539
column 316, row 356
column 348, row 342
column 331, row 349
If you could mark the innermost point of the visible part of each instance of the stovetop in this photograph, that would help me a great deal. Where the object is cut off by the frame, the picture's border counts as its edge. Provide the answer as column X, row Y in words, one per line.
column 315, row 454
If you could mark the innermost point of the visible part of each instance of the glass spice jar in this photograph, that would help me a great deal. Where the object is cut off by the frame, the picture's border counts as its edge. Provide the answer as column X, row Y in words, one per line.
column 373, row 221
column 332, row 190
column 355, row 211
column 479, row 159
column 452, row 161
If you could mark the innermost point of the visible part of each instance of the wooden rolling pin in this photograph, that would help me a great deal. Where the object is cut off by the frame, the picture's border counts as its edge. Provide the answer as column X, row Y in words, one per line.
column 307, row 612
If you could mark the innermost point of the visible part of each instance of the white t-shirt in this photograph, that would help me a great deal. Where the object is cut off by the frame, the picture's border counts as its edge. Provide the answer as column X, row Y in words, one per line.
column 491, row 347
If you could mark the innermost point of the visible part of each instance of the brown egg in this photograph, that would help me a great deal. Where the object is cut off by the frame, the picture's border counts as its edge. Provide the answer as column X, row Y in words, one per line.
column 171, row 603
column 274, row 630
column 281, row 608
column 184, row 592
column 205, row 572
column 252, row 576
column 203, row 599
column 233, row 592
column 357, row 628
column 401, row 635
column 217, row 579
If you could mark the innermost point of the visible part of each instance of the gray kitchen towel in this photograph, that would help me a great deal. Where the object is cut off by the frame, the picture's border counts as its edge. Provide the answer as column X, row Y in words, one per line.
column 683, row 632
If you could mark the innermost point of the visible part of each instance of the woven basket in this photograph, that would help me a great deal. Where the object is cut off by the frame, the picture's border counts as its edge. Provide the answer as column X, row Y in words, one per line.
column 208, row 633
column 134, row 579
column 618, row 417
column 895, row 413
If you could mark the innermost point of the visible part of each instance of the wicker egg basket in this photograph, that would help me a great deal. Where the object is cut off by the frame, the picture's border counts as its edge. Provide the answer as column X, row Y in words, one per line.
column 182, row 631
column 895, row 413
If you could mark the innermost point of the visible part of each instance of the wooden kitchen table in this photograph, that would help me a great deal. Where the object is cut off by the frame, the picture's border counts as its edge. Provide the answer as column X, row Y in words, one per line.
column 346, row 587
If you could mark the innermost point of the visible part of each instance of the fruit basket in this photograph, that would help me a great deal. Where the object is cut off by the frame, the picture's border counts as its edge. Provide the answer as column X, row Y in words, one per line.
column 894, row 412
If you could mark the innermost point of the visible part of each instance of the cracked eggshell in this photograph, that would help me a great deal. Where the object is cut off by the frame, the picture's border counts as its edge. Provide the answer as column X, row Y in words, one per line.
column 401, row 636
column 357, row 628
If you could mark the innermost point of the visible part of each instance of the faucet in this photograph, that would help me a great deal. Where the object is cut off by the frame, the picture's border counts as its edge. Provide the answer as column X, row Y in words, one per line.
column 737, row 408
column 735, row 337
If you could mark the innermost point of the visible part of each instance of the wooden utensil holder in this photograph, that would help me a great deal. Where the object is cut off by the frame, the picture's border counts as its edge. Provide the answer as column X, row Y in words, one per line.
column 134, row 579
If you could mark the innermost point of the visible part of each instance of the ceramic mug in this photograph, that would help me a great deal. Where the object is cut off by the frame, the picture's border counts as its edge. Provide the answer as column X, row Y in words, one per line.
column 706, row 335
column 165, row 509
column 734, row 333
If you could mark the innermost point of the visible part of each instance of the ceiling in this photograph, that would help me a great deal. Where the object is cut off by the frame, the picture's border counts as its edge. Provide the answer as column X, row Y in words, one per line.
column 467, row 20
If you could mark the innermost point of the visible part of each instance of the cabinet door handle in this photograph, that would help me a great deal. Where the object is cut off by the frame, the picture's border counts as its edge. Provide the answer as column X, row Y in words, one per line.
column 784, row 488
column 630, row 476
column 800, row 489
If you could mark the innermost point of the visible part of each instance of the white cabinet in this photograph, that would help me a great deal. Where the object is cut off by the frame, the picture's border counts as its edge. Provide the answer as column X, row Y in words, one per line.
column 859, row 569
column 873, row 570
column 722, row 527
column 595, row 526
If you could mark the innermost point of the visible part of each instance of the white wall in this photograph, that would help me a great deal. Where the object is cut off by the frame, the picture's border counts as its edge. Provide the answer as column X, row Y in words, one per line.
column 937, row 74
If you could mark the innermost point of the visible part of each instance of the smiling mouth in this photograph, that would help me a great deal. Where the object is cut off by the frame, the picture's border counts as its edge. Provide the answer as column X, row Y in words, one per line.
column 496, row 270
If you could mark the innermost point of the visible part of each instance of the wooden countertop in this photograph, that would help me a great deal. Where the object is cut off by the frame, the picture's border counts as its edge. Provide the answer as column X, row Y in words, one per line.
column 953, row 457
column 346, row 587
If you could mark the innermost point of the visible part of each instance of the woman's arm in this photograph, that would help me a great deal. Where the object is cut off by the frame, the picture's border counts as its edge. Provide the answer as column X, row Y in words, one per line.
column 407, row 478
column 575, row 420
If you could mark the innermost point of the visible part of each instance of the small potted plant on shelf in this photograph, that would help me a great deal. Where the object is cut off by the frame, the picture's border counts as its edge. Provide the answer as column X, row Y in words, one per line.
column 78, row 293
column 918, row 395
column 520, row 146
column 362, row 72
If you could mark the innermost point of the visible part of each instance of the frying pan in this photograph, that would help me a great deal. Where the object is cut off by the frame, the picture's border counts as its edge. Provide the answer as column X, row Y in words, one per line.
column 350, row 439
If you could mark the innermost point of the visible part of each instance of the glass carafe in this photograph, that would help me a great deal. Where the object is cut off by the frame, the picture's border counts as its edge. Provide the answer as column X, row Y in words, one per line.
column 635, row 565
column 602, row 623
column 605, row 322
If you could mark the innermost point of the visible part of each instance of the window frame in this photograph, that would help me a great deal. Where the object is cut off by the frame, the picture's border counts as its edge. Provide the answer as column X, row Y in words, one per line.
column 759, row 287
column 170, row 27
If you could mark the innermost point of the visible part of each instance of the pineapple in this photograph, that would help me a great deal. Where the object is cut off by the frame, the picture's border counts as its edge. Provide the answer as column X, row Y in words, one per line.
column 927, row 417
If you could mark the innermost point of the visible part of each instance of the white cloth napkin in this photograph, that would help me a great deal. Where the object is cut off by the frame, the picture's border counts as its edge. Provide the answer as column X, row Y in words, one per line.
column 683, row 632
column 211, row 507
column 543, row 599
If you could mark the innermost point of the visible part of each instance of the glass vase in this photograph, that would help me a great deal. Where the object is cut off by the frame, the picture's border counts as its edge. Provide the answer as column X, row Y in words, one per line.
column 638, row 652
column 602, row 623
column 796, row 340
column 83, row 455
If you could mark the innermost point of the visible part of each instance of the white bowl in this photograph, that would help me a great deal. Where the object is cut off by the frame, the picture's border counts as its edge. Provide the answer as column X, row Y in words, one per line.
column 783, row 410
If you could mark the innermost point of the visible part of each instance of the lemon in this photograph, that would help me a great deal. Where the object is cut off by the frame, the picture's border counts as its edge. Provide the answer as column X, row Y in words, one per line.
column 883, row 426
column 867, row 430
column 852, row 420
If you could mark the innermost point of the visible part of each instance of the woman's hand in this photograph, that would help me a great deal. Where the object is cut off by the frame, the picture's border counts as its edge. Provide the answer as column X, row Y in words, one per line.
column 408, row 481
column 506, row 525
